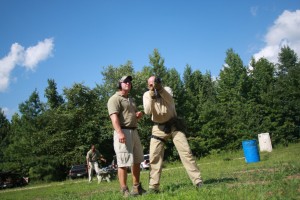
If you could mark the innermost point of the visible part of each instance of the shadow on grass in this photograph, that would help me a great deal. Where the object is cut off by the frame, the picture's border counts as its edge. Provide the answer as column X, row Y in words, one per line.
column 220, row 180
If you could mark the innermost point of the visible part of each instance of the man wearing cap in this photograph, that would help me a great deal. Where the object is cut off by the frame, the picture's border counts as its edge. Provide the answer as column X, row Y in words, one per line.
column 159, row 103
column 127, row 145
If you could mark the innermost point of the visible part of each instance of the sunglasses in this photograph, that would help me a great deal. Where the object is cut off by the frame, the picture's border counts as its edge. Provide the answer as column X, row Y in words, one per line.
column 126, row 81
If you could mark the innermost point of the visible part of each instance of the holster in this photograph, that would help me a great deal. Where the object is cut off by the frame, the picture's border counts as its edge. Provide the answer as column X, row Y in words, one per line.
column 174, row 122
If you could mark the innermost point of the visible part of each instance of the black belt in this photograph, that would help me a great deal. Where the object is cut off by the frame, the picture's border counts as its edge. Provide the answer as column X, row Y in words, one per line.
column 126, row 127
column 159, row 124
column 158, row 138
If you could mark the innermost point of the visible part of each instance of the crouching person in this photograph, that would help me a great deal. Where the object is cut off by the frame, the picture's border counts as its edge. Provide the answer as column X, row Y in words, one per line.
column 92, row 158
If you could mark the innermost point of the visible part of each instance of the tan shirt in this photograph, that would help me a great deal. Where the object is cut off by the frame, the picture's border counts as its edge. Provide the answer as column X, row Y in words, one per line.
column 93, row 156
column 124, row 107
column 162, row 108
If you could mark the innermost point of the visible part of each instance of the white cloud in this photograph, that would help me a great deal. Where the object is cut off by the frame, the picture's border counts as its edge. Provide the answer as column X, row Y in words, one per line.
column 40, row 52
column 254, row 10
column 5, row 111
column 28, row 58
column 8, row 63
column 285, row 31
column 8, row 112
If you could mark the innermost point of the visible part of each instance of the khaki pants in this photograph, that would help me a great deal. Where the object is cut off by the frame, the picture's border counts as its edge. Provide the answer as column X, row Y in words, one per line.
column 92, row 166
column 157, row 155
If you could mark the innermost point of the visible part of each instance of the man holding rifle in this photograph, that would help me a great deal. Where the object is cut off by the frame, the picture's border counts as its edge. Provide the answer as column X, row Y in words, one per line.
column 159, row 103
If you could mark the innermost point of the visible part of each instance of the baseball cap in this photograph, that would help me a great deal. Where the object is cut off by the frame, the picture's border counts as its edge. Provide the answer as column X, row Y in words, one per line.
column 125, row 78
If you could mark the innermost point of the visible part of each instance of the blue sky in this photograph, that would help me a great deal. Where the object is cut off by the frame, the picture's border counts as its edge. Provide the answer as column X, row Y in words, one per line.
column 71, row 41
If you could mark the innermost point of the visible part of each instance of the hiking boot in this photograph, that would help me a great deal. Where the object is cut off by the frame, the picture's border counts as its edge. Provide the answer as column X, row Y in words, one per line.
column 125, row 192
column 137, row 190
column 199, row 185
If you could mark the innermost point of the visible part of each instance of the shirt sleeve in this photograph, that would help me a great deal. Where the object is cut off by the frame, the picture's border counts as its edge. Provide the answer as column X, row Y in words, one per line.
column 147, row 103
column 166, row 96
column 113, row 106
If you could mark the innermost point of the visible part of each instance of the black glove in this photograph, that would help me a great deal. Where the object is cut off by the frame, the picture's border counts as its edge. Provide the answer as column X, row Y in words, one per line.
column 157, row 84
column 158, row 87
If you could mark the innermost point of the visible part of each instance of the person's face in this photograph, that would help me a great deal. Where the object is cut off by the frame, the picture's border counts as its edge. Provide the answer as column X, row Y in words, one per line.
column 93, row 148
column 126, row 85
column 151, row 82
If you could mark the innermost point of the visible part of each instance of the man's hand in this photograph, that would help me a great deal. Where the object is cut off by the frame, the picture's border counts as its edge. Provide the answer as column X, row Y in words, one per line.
column 158, row 86
column 139, row 115
column 122, row 138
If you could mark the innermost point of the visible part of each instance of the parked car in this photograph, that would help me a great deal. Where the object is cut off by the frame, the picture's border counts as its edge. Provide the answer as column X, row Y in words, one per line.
column 146, row 163
column 10, row 179
column 78, row 171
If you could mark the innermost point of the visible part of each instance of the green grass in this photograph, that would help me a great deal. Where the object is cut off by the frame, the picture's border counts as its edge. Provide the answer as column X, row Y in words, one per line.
column 226, row 176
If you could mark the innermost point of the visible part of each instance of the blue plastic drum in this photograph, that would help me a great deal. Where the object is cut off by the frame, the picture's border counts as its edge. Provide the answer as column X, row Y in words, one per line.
column 251, row 151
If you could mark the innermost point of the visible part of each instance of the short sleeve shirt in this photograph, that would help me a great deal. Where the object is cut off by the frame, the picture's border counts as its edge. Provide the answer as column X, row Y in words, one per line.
column 93, row 155
column 124, row 107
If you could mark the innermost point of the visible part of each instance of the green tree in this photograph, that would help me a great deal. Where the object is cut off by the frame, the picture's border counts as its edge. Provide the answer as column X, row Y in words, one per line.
column 233, row 81
column 158, row 64
column 25, row 137
column 193, row 83
column 32, row 107
column 201, row 108
column 232, row 94
column 54, row 99
column 83, row 109
column 261, row 96
column 4, row 126
column 287, row 96
column 4, row 133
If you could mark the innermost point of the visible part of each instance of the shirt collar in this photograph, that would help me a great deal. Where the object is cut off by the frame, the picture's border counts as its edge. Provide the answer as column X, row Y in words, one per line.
column 121, row 95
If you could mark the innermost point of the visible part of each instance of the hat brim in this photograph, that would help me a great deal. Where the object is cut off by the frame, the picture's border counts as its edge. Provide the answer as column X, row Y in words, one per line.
column 125, row 78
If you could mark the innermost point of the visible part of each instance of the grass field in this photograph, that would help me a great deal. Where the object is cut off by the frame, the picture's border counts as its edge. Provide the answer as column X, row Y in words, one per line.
column 226, row 176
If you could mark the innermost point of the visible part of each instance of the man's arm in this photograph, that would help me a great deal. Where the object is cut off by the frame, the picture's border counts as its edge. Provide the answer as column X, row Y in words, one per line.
column 166, row 96
column 102, row 158
column 87, row 160
column 147, row 103
column 116, row 124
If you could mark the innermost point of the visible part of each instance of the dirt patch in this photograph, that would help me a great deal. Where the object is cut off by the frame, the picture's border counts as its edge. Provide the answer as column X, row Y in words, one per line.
column 256, row 171
column 295, row 176
column 249, row 183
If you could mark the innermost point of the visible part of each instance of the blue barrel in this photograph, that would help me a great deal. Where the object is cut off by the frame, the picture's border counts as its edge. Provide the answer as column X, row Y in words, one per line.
column 251, row 151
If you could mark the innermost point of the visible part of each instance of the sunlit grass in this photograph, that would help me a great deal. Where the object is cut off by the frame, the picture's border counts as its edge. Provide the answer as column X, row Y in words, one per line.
column 226, row 176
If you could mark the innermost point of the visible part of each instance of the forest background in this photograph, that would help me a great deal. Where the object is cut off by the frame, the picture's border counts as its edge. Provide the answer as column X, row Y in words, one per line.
column 44, row 139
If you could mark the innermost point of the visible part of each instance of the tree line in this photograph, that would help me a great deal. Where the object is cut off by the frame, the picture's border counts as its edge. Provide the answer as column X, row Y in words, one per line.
column 44, row 139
